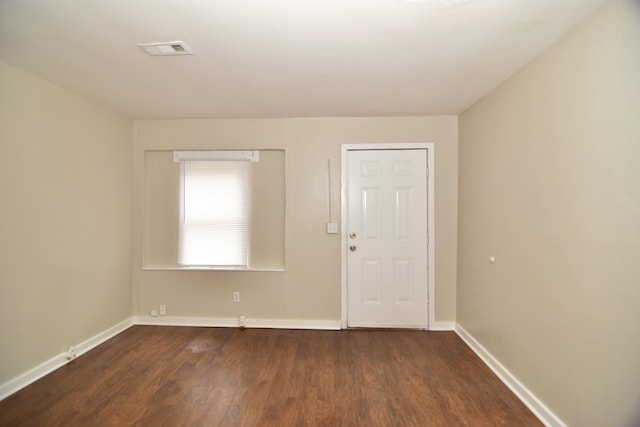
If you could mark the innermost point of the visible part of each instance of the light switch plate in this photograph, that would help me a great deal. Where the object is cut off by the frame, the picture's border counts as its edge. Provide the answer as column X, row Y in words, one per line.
column 332, row 228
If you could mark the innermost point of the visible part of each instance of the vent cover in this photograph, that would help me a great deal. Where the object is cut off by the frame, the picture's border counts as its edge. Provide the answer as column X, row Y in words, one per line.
column 166, row 48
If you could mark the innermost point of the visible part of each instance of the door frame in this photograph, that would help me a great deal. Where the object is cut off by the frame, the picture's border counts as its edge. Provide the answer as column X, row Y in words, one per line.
column 430, row 147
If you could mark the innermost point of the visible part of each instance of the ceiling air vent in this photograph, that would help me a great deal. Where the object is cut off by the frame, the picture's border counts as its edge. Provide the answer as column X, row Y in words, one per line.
column 166, row 48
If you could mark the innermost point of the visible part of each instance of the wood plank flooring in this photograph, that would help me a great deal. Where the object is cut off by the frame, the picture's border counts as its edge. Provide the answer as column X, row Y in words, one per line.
column 182, row 376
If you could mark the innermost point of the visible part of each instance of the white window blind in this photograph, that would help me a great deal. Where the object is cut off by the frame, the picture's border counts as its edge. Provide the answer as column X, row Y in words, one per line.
column 214, row 213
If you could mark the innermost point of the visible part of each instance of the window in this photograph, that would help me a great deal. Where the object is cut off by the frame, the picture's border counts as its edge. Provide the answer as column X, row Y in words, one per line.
column 214, row 208
column 174, row 232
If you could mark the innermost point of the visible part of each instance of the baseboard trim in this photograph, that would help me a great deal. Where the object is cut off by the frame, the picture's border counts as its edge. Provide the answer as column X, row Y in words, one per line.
column 544, row 414
column 234, row 322
column 442, row 326
column 59, row 360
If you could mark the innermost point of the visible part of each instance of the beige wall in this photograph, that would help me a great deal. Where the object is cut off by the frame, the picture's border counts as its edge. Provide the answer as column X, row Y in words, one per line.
column 65, row 221
column 309, row 289
column 550, row 186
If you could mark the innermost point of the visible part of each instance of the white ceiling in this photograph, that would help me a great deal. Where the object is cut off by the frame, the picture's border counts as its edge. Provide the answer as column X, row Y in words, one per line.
column 283, row 58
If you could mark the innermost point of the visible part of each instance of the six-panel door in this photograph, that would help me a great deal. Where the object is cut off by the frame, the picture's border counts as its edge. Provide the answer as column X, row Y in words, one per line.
column 387, row 280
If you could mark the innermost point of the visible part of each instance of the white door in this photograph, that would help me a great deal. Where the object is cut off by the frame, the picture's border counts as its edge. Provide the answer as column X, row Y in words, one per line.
column 387, row 278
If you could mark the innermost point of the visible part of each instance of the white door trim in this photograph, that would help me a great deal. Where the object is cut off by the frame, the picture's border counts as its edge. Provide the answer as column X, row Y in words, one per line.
column 429, row 146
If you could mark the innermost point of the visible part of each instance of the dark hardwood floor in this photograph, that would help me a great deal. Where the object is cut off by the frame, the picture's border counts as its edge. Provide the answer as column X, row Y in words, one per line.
column 182, row 376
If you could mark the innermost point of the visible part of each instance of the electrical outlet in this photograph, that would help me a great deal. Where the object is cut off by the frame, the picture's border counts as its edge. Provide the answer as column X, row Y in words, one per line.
column 236, row 296
column 163, row 310
column 242, row 321
column 154, row 312
column 332, row 228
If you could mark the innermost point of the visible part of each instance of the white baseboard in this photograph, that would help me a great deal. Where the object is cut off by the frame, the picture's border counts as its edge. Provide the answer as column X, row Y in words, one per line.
column 442, row 326
column 234, row 322
column 59, row 360
column 539, row 409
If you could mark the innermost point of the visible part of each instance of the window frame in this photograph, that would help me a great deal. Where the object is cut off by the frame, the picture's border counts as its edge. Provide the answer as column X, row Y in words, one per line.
column 216, row 227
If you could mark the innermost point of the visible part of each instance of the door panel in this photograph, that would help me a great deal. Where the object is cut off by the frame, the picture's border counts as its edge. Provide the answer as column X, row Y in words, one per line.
column 402, row 274
column 387, row 238
column 371, row 285
column 371, row 214
column 402, row 213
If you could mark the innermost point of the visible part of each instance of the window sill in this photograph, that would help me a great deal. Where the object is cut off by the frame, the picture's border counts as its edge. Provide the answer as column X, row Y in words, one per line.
column 174, row 268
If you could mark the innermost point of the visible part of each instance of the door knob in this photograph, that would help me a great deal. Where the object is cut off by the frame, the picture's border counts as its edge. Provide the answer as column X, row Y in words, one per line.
column 352, row 235
column 352, row 248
